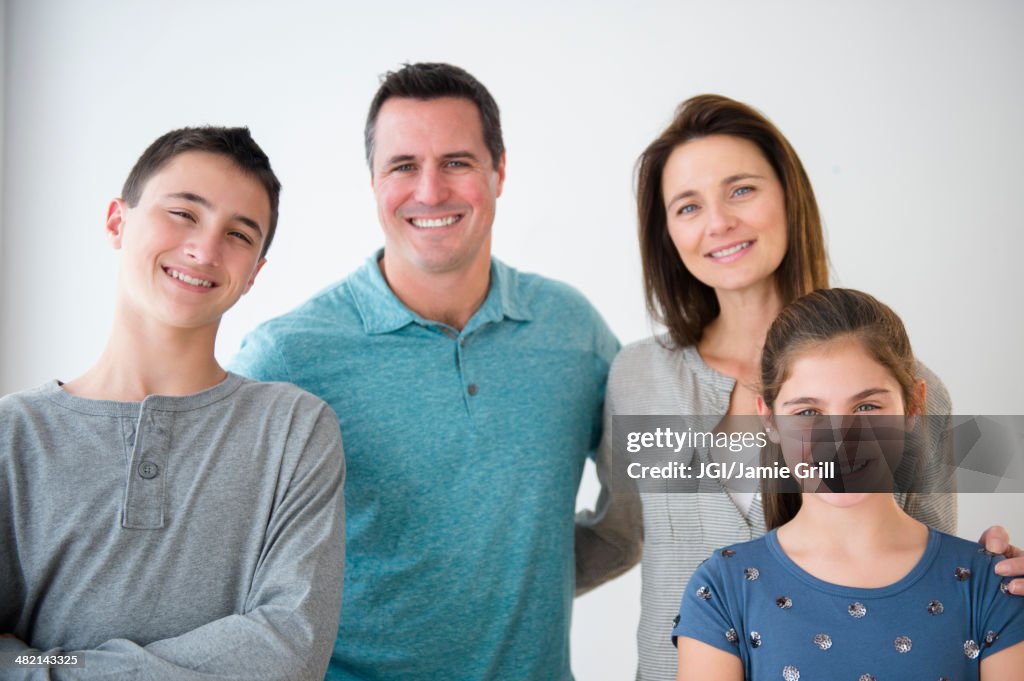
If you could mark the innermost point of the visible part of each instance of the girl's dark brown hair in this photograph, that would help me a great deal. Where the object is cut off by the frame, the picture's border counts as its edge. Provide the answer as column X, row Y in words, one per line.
column 674, row 296
column 816, row 319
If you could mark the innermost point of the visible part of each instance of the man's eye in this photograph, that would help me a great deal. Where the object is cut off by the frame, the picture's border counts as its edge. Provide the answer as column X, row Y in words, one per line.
column 404, row 168
column 457, row 164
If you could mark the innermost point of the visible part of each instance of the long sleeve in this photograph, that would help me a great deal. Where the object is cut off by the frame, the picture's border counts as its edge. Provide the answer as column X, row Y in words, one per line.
column 289, row 623
column 609, row 538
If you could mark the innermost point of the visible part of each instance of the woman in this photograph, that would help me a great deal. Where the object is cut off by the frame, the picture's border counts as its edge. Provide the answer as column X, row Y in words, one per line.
column 845, row 582
column 729, row 234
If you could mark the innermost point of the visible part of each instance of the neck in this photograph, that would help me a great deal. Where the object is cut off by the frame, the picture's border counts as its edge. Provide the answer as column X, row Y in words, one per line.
column 739, row 330
column 447, row 297
column 144, row 358
column 874, row 524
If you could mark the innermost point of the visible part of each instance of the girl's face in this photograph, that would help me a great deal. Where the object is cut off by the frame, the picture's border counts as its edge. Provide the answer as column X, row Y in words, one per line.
column 726, row 212
column 817, row 418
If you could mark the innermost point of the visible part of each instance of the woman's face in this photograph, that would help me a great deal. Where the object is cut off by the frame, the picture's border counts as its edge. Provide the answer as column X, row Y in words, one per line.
column 726, row 212
column 819, row 416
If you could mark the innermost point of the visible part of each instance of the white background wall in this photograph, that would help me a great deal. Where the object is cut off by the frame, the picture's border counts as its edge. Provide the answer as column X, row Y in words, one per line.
column 907, row 116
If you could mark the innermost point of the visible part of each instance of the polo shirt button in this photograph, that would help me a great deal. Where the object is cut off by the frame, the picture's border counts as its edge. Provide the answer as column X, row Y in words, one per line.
column 148, row 470
column 472, row 389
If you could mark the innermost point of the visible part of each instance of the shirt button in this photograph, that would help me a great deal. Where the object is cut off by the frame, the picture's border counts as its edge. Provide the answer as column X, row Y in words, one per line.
column 472, row 389
column 148, row 470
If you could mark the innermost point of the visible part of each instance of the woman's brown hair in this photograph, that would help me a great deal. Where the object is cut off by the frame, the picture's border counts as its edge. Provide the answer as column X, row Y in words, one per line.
column 815, row 319
column 674, row 296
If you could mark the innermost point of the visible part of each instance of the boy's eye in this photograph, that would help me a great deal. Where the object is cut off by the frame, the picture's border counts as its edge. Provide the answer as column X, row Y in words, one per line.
column 243, row 236
column 183, row 214
column 807, row 412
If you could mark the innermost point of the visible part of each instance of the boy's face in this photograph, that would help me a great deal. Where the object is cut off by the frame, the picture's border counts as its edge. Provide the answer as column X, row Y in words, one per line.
column 191, row 246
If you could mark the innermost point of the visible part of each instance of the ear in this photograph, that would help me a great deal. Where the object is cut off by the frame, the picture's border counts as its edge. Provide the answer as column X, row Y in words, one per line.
column 117, row 211
column 501, row 175
column 768, row 420
column 921, row 392
column 252, row 277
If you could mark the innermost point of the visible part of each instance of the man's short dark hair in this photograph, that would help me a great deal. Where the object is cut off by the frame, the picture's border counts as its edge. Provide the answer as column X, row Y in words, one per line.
column 236, row 144
column 433, row 81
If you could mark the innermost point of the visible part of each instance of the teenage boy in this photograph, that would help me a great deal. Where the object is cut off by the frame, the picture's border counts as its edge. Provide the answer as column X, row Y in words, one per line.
column 161, row 518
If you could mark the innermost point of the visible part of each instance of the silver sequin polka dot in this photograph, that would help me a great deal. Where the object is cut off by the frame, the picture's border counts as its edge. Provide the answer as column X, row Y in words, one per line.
column 971, row 650
column 728, row 553
column 857, row 610
column 752, row 574
column 903, row 644
column 935, row 607
column 755, row 639
column 823, row 641
column 731, row 636
column 962, row 574
column 867, row 677
column 990, row 638
column 784, row 602
column 704, row 593
column 790, row 673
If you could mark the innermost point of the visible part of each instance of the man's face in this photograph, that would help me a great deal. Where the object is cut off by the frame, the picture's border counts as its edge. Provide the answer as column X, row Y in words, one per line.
column 435, row 184
column 191, row 246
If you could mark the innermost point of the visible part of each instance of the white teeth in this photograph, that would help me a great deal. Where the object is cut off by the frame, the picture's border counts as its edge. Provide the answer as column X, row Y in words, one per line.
column 729, row 251
column 189, row 280
column 435, row 222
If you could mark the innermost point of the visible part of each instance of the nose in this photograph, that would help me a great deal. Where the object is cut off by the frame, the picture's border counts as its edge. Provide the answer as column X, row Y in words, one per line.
column 432, row 187
column 721, row 218
column 203, row 247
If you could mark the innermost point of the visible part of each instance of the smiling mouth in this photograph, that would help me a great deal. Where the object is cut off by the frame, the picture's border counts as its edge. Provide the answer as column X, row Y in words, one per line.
column 193, row 281
column 434, row 223
column 730, row 250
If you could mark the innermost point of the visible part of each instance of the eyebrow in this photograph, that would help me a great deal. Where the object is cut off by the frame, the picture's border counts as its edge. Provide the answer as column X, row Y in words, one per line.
column 863, row 394
column 727, row 181
column 205, row 203
column 406, row 158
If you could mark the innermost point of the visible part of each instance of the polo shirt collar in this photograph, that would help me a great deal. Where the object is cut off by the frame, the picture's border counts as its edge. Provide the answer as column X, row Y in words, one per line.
column 382, row 311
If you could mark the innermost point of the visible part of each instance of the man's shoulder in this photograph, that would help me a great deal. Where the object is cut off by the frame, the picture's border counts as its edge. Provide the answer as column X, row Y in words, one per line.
column 273, row 395
column 25, row 402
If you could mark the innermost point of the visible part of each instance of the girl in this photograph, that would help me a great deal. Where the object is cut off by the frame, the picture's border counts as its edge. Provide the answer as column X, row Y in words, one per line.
column 845, row 585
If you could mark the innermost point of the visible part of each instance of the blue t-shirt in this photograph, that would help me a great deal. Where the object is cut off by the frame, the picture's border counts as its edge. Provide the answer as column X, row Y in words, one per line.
column 939, row 621
column 464, row 452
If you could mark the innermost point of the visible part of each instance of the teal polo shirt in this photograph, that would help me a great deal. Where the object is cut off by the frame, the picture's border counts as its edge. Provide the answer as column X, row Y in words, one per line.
column 464, row 452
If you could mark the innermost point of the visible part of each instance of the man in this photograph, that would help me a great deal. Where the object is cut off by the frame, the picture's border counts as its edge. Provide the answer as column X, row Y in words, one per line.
column 469, row 395
column 161, row 518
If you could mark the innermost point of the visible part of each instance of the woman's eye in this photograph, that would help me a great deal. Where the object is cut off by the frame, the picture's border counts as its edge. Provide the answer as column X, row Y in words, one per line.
column 740, row 191
column 867, row 407
column 688, row 208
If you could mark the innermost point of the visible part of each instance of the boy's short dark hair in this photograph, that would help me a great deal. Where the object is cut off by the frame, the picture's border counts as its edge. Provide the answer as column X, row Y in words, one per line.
column 235, row 143
column 428, row 81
